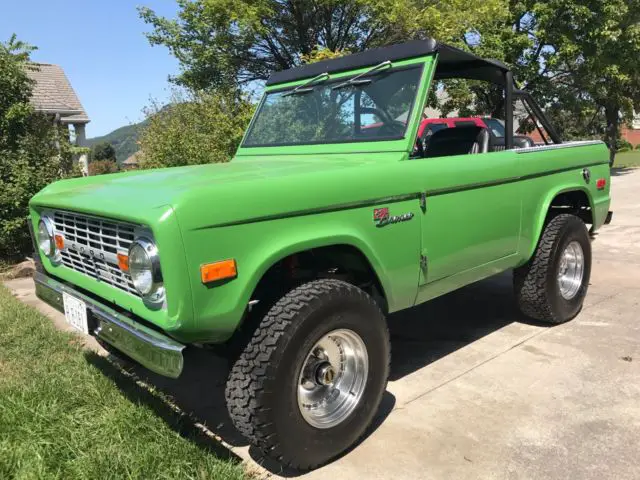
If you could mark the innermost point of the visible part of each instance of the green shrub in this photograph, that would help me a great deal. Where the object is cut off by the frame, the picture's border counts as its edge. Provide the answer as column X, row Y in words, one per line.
column 33, row 153
column 28, row 167
column 202, row 128
column 100, row 167
column 623, row 145
column 638, row 146
column 103, row 151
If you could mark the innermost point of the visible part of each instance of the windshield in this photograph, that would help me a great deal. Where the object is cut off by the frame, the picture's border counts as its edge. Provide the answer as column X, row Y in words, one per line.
column 377, row 110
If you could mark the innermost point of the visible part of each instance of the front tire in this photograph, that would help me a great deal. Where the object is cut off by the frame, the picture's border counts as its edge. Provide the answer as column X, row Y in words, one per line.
column 311, row 379
column 551, row 287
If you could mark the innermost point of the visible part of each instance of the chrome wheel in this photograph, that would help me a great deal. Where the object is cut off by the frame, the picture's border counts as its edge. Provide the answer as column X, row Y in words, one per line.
column 333, row 378
column 571, row 270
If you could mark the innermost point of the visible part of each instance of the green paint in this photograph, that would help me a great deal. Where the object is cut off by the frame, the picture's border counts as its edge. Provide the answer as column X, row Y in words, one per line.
column 484, row 214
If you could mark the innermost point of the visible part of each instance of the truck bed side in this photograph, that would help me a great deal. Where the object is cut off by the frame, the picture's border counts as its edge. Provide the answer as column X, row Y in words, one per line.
column 549, row 171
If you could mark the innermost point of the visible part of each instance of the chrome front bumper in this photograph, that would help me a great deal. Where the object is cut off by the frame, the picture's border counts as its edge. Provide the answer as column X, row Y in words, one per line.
column 152, row 349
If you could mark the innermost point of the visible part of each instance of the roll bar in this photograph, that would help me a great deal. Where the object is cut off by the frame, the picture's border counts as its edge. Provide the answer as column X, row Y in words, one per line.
column 532, row 107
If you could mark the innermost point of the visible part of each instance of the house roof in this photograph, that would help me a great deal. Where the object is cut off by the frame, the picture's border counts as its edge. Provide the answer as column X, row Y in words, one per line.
column 133, row 159
column 52, row 93
column 452, row 62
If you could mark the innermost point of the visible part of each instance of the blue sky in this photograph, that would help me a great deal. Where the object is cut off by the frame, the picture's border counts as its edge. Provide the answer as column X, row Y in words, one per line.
column 102, row 49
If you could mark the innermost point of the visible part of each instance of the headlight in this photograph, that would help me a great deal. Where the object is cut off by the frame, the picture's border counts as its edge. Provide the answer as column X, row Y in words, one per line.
column 46, row 241
column 144, row 268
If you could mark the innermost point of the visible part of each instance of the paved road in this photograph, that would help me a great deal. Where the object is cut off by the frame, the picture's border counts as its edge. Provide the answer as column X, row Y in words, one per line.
column 476, row 391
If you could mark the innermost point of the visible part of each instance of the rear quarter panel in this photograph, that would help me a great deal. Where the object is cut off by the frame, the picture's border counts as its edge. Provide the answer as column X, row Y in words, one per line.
column 546, row 172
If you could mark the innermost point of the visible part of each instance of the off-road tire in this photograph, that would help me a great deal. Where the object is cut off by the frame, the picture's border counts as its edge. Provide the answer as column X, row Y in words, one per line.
column 261, row 391
column 535, row 283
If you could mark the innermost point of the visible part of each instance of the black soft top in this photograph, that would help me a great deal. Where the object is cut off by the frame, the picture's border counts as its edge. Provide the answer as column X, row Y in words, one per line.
column 452, row 62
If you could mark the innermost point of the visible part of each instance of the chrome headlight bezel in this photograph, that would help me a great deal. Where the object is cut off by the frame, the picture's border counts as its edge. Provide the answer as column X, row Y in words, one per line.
column 47, row 225
column 155, row 293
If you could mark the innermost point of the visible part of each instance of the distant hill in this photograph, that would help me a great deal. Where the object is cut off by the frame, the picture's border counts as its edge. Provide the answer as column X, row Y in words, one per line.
column 124, row 140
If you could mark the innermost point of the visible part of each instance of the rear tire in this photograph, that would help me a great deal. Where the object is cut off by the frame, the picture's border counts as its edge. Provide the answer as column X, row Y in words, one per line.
column 552, row 285
column 268, row 388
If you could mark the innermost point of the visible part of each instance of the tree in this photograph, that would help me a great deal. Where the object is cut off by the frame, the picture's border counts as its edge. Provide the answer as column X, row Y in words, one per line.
column 194, row 129
column 33, row 152
column 517, row 39
column 596, row 56
column 579, row 58
column 103, row 151
column 21, row 51
column 222, row 43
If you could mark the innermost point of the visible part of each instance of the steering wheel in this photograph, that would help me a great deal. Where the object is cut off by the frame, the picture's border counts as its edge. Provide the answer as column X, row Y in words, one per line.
column 394, row 129
column 390, row 127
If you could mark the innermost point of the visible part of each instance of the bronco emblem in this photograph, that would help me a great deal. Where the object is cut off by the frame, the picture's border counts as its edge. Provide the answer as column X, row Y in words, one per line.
column 382, row 218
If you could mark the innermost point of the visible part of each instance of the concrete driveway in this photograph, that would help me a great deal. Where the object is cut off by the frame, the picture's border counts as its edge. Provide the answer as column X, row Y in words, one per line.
column 477, row 391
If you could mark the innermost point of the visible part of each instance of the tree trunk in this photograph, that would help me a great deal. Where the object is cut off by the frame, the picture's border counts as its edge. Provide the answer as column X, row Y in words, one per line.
column 612, row 114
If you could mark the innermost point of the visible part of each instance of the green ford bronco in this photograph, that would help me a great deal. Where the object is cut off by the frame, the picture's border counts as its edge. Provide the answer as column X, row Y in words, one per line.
column 331, row 215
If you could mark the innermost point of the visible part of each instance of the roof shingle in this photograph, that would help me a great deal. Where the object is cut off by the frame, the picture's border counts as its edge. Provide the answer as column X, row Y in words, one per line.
column 52, row 93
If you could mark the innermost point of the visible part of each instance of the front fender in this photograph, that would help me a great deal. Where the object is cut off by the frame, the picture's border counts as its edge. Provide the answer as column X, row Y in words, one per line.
column 310, row 240
column 393, row 252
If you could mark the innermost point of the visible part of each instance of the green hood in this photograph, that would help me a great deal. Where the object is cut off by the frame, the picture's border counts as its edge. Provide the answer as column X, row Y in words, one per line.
column 215, row 193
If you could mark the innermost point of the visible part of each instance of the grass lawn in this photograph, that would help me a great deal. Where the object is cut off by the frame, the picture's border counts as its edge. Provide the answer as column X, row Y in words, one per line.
column 627, row 159
column 63, row 416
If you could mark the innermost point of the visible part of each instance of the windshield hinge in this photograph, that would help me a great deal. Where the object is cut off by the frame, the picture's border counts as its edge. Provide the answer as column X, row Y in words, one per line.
column 423, row 201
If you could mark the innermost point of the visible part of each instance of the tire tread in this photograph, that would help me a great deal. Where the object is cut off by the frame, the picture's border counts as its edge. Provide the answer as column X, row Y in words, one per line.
column 530, row 280
column 245, row 390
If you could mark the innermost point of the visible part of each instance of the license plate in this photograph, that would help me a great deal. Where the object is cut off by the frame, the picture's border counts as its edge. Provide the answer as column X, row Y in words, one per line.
column 75, row 312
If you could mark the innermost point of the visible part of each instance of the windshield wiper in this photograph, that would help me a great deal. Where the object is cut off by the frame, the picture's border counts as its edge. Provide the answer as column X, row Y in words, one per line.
column 306, row 87
column 363, row 81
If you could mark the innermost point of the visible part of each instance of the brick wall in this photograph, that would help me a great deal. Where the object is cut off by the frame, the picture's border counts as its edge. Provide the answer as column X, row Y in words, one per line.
column 631, row 135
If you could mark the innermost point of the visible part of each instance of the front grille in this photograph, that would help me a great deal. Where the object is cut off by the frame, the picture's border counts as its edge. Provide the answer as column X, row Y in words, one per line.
column 98, row 269
column 94, row 233
column 91, row 246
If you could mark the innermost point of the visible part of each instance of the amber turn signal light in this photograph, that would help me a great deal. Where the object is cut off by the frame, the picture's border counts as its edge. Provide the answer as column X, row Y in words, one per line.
column 123, row 262
column 211, row 272
column 59, row 241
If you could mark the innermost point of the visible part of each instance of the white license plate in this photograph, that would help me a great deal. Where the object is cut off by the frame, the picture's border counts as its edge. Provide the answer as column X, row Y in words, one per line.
column 75, row 312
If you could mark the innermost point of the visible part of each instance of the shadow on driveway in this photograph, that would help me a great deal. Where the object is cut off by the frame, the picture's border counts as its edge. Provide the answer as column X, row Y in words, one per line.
column 419, row 336
column 433, row 330
column 620, row 171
